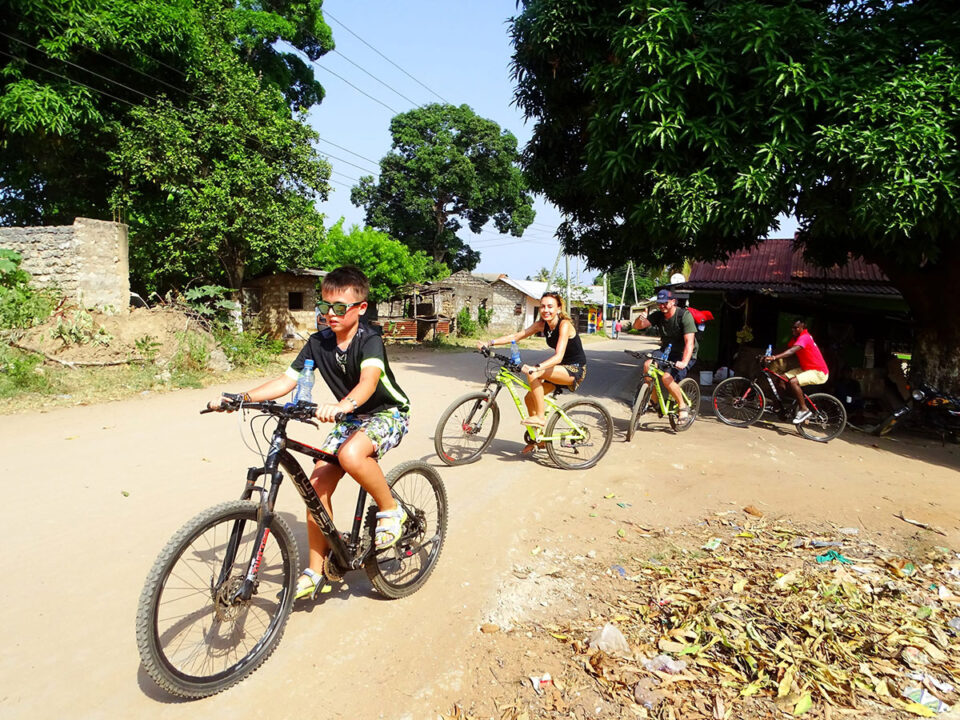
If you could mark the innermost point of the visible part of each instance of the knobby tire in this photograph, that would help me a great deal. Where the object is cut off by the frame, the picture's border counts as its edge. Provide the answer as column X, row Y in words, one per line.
column 464, row 440
column 401, row 570
column 204, row 650
column 571, row 451
column 738, row 402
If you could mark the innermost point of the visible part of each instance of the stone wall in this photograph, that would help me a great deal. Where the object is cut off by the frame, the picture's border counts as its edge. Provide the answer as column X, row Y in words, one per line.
column 468, row 291
column 508, row 305
column 87, row 261
column 272, row 294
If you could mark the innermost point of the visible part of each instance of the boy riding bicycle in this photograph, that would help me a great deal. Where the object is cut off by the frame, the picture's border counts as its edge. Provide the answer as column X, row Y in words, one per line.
column 813, row 369
column 678, row 329
column 352, row 360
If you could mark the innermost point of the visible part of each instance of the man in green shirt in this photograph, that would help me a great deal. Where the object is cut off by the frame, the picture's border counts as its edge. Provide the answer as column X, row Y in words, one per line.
column 678, row 330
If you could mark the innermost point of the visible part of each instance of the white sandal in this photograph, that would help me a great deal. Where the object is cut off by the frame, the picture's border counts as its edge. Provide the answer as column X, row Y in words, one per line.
column 389, row 532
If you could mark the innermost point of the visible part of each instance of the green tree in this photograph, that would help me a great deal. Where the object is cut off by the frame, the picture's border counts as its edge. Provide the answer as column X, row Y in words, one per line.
column 387, row 263
column 74, row 73
column 684, row 128
column 221, row 187
column 448, row 168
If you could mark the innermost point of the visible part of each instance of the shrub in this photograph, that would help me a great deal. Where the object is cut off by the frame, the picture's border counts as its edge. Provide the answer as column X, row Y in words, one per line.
column 483, row 317
column 20, row 373
column 248, row 348
column 21, row 306
column 466, row 326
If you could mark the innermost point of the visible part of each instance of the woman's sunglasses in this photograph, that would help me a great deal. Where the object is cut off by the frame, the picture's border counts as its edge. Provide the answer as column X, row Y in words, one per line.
column 339, row 308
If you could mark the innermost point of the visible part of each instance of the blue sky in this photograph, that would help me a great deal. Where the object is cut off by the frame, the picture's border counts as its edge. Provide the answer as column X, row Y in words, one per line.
column 459, row 50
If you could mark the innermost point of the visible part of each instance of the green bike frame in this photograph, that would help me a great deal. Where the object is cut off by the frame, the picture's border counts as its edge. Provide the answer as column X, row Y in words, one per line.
column 669, row 405
column 511, row 382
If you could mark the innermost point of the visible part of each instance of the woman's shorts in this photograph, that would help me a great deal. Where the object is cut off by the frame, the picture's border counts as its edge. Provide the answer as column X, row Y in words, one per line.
column 577, row 372
column 385, row 430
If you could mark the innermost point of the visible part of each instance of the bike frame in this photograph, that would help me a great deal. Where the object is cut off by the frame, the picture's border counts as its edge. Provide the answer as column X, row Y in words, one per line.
column 346, row 551
column 666, row 406
column 507, row 379
column 769, row 376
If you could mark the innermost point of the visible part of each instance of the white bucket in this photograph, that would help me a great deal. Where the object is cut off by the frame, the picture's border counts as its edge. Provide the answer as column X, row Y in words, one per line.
column 706, row 377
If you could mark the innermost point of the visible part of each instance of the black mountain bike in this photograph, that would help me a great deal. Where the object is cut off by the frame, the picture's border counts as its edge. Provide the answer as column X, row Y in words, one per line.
column 739, row 401
column 215, row 603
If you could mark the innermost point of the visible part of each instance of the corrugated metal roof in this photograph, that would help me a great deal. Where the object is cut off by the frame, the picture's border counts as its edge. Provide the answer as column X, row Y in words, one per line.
column 535, row 289
column 776, row 266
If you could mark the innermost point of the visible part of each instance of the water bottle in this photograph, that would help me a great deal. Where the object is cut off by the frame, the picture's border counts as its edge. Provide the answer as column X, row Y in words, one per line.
column 514, row 352
column 304, row 389
column 769, row 351
column 666, row 353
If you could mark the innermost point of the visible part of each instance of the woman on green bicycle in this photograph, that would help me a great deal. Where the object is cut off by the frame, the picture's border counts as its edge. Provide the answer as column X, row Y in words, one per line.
column 567, row 366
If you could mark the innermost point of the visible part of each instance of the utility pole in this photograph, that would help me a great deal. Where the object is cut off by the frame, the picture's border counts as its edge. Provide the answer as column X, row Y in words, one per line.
column 566, row 259
column 553, row 272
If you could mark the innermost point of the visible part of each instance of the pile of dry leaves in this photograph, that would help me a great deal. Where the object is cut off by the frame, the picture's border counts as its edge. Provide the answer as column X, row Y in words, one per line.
column 761, row 619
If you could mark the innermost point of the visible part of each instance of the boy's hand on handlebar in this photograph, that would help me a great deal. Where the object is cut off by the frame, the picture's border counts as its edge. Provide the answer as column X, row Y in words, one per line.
column 766, row 359
column 680, row 364
column 225, row 403
column 328, row 413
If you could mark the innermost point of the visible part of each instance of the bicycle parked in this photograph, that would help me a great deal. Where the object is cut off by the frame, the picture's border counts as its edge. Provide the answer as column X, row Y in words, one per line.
column 740, row 402
column 215, row 604
column 664, row 403
column 576, row 435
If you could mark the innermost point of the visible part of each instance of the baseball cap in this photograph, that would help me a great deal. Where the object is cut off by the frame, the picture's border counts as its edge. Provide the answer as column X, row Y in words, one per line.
column 664, row 295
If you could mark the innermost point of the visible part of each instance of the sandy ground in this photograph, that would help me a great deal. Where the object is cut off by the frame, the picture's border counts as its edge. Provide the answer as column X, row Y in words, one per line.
column 126, row 475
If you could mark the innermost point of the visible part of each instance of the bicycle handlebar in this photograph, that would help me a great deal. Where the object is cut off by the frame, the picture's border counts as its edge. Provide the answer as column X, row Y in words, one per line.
column 663, row 362
column 488, row 353
column 302, row 410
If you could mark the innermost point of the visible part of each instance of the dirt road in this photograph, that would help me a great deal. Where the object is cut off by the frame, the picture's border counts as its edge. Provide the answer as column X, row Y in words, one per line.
column 93, row 493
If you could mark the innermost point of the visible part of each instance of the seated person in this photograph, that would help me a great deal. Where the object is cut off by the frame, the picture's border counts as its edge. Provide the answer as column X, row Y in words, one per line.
column 812, row 371
column 678, row 329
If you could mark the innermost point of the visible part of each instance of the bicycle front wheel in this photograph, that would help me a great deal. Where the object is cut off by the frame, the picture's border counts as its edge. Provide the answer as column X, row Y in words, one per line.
column 641, row 404
column 196, row 636
column 581, row 436
column 738, row 401
column 401, row 570
column 692, row 391
column 466, row 429
column 828, row 420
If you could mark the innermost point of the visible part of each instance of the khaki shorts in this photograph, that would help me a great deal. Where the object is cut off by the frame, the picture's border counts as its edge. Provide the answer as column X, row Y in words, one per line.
column 807, row 377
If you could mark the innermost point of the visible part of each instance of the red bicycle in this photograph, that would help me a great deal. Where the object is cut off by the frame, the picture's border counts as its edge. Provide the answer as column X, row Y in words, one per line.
column 740, row 402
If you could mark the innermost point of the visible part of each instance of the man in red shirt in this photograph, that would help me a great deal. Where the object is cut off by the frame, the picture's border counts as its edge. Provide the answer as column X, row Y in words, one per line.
column 812, row 371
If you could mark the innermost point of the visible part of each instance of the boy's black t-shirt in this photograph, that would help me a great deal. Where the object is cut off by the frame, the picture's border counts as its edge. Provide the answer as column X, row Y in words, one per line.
column 340, row 369
column 673, row 329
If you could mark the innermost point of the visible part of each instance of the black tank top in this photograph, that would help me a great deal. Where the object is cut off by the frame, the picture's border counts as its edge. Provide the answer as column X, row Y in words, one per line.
column 574, row 354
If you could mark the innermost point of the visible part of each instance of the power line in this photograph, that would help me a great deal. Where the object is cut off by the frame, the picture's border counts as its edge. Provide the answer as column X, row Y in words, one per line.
column 68, row 79
column 347, row 162
column 327, row 14
column 388, row 87
column 362, row 157
column 362, row 92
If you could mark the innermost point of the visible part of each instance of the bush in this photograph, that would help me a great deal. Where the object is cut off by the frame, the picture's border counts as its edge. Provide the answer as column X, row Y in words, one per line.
column 189, row 363
column 483, row 317
column 21, row 306
column 20, row 372
column 466, row 326
column 248, row 348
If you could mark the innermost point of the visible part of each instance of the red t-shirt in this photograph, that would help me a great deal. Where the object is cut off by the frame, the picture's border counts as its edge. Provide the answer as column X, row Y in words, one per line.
column 809, row 354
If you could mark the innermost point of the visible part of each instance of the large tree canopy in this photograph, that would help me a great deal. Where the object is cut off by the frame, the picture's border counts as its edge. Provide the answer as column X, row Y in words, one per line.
column 448, row 167
column 683, row 128
column 72, row 73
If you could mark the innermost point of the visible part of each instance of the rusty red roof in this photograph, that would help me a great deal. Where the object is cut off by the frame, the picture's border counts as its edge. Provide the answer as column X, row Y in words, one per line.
column 775, row 265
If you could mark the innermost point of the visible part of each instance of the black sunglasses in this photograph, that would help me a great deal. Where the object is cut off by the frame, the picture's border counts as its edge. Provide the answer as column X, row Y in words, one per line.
column 339, row 308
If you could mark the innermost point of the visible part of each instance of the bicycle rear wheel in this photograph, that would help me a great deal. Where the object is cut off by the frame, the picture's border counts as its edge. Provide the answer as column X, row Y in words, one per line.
column 194, row 638
column 828, row 420
column 466, row 429
column 582, row 437
column 692, row 391
column 403, row 569
column 641, row 404
column 738, row 401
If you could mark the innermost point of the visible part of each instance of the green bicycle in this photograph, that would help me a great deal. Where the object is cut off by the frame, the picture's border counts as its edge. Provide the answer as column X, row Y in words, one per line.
column 666, row 405
column 576, row 434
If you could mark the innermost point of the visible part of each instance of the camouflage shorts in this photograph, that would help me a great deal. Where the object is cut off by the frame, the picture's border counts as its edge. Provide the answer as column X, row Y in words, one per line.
column 385, row 430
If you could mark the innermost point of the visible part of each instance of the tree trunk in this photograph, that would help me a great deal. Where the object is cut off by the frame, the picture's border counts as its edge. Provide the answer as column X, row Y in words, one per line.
column 935, row 305
column 235, row 272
